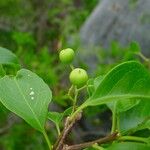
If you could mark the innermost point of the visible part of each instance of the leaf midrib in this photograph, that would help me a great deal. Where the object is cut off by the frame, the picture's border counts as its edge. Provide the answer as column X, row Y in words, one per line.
column 106, row 99
column 28, row 104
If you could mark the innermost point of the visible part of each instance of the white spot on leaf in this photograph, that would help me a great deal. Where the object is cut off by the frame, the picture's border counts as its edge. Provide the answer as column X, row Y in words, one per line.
column 31, row 93
column 32, row 98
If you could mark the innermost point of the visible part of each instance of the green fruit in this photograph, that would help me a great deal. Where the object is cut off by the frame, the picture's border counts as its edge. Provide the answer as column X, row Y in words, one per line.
column 78, row 77
column 66, row 56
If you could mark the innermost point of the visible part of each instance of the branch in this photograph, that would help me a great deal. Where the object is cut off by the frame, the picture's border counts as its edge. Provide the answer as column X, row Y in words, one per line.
column 68, row 125
column 108, row 138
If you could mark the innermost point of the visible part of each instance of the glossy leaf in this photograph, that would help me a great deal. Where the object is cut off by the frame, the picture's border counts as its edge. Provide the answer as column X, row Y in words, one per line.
column 8, row 58
column 137, row 118
column 28, row 96
column 90, row 86
column 97, row 81
column 56, row 117
column 127, row 81
column 128, row 146
column 93, row 83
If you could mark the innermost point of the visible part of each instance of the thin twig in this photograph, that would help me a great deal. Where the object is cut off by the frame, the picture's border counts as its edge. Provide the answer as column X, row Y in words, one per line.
column 108, row 138
column 62, row 133
column 143, row 57
column 68, row 125
column 72, row 67
column 75, row 100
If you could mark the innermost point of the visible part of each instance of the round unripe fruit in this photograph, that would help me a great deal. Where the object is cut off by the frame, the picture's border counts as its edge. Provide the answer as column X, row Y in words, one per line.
column 78, row 77
column 66, row 56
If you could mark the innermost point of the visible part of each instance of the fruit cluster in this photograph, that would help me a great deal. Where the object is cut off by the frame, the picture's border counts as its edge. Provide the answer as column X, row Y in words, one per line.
column 78, row 76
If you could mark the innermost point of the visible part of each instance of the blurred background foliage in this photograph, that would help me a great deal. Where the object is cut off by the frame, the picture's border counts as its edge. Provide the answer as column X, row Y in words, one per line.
column 35, row 30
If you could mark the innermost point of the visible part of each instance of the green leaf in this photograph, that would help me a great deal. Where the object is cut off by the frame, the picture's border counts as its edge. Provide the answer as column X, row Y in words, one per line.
column 128, row 146
column 8, row 58
column 90, row 86
column 135, row 119
column 144, row 125
column 97, row 81
column 126, row 105
column 28, row 96
column 125, row 82
column 67, row 112
column 93, row 83
column 56, row 117
column 135, row 47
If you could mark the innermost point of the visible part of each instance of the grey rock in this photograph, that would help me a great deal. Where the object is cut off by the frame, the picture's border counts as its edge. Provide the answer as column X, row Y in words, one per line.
column 118, row 20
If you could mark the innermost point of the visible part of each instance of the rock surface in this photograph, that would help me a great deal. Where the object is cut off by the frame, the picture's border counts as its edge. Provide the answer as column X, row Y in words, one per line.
column 118, row 20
